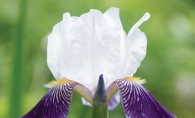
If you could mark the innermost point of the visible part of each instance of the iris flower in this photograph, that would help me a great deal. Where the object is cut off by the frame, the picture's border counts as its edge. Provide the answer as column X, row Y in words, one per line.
column 93, row 56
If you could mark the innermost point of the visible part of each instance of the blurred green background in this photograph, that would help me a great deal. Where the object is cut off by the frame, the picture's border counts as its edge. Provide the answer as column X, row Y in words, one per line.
column 169, row 66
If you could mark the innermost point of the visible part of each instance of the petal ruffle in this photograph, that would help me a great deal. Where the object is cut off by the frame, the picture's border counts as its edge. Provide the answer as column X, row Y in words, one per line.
column 111, row 50
column 82, row 48
column 136, row 47
column 139, row 103
column 55, row 47
column 56, row 102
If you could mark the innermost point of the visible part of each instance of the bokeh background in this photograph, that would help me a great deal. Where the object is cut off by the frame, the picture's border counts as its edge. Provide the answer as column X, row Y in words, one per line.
column 169, row 66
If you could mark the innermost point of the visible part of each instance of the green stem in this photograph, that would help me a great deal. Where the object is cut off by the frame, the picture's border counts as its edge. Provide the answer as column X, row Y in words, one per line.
column 100, row 110
column 16, row 93
column 100, row 106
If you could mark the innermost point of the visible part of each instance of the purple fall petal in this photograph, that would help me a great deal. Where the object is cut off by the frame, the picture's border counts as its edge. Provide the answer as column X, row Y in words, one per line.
column 54, row 104
column 114, row 101
column 139, row 103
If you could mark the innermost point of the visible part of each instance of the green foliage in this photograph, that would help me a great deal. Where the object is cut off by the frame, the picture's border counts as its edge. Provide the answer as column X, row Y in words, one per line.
column 168, row 67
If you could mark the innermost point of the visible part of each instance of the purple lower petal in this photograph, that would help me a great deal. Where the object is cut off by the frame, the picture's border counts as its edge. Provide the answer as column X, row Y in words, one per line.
column 139, row 103
column 114, row 101
column 54, row 104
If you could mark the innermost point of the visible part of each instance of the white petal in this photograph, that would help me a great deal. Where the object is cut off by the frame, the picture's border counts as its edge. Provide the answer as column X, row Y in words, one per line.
column 111, row 49
column 85, row 102
column 136, row 47
column 78, row 53
column 82, row 48
column 112, row 15
column 57, row 44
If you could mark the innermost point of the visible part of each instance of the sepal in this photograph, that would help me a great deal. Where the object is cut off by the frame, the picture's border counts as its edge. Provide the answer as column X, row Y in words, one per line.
column 140, row 103
column 137, row 101
column 56, row 102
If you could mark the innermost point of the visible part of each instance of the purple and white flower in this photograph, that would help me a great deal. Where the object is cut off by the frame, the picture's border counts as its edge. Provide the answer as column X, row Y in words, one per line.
column 80, row 49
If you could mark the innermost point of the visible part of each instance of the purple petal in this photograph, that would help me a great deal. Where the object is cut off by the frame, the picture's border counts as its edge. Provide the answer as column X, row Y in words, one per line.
column 114, row 101
column 54, row 104
column 139, row 103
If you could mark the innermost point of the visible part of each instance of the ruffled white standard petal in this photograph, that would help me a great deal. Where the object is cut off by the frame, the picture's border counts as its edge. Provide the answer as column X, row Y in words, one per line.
column 55, row 47
column 78, row 59
column 112, row 49
column 136, row 47
column 82, row 48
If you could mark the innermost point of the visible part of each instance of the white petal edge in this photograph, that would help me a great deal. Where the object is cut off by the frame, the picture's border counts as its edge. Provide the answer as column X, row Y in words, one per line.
column 112, row 15
column 144, row 18
column 54, row 46
column 135, row 47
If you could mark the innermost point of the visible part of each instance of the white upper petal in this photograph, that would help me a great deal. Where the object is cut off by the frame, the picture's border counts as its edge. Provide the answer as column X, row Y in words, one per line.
column 136, row 47
column 82, row 48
